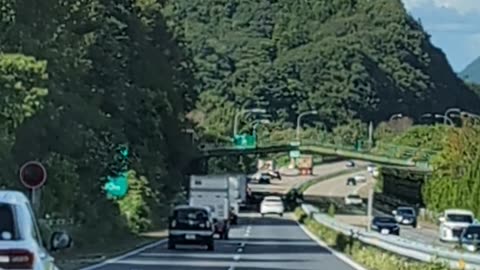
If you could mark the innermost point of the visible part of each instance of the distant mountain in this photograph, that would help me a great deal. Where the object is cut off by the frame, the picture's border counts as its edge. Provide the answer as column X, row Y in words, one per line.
column 472, row 72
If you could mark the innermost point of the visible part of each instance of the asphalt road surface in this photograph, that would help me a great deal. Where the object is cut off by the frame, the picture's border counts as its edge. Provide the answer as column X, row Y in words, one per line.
column 336, row 188
column 288, row 182
column 269, row 243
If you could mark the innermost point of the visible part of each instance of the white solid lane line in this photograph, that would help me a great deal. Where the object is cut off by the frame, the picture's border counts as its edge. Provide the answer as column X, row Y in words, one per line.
column 126, row 255
column 337, row 254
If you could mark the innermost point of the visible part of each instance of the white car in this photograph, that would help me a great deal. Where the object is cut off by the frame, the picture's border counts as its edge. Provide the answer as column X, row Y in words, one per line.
column 21, row 245
column 272, row 205
column 371, row 168
column 360, row 178
column 353, row 199
column 453, row 222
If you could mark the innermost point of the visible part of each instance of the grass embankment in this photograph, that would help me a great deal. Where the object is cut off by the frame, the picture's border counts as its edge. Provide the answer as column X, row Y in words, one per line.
column 371, row 257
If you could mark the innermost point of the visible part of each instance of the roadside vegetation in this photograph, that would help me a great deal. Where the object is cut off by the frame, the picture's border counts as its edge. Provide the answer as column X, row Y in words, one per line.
column 78, row 78
column 371, row 257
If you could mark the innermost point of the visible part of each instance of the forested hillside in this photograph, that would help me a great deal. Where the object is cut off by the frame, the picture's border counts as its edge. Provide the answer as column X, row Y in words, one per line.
column 346, row 58
column 472, row 72
column 78, row 78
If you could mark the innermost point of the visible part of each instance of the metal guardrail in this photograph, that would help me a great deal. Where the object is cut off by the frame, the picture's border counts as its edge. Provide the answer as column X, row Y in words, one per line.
column 58, row 221
column 398, row 245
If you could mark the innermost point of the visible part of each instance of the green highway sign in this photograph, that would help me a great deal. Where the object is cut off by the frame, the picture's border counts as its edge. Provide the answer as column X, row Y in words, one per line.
column 117, row 187
column 243, row 141
column 117, row 184
column 294, row 154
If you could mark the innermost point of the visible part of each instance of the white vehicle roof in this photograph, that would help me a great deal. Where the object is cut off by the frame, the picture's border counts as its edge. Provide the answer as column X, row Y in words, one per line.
column 458, row 212
column 272, row 198
column 13, row 197
column 183, row 207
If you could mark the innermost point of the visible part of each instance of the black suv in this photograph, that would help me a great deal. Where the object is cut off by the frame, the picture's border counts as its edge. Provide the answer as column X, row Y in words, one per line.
column 191, row 225
column 351, row 181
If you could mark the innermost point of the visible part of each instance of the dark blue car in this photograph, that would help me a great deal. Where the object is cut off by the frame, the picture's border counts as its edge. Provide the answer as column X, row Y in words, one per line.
column 385, row 225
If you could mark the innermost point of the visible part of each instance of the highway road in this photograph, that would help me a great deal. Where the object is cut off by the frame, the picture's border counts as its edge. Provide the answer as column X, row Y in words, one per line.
column 337, row 189
column 288, row 182
column 268, row 243
column 337, row 186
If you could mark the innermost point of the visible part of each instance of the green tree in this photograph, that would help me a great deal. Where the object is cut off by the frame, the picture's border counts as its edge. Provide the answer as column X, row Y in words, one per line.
column 115, row 76
column 362, row 60
column 455, row 182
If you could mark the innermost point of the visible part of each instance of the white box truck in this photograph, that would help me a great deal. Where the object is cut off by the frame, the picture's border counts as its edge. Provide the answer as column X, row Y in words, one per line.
column 213, row 191
column 238, row 195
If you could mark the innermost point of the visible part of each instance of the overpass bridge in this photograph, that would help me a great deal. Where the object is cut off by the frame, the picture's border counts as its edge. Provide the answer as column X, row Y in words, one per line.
column 388, row 154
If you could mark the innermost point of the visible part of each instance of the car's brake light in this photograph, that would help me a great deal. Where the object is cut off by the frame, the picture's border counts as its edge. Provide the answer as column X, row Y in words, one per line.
column 16, row 259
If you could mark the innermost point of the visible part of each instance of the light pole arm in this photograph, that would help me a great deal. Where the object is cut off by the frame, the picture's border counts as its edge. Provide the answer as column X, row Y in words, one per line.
column 446, row 119
column 299, row 118
column 298, row 126
column 235, row 122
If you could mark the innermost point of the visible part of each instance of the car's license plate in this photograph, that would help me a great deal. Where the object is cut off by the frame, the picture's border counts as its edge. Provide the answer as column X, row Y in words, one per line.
column 385, row 231
column 190, row 237
column 4, row 259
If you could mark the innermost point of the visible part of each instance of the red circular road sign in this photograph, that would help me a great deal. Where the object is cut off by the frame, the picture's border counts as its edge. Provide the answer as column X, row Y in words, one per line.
column 33, row 175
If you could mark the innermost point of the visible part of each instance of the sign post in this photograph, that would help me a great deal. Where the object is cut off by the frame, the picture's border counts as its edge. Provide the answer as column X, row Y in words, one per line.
column 33, row 176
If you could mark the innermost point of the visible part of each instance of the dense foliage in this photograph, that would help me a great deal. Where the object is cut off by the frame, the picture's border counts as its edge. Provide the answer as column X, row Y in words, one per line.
column 77, row 79
column 420, row 136
column 346, row 58
column 472, row 72
column 455, row 182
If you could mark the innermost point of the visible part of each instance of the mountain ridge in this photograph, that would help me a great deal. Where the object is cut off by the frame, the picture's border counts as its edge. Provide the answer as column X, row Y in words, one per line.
column 471, row 73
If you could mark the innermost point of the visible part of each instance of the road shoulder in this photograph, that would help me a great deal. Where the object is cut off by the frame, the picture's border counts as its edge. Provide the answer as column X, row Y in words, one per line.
column 114, row 252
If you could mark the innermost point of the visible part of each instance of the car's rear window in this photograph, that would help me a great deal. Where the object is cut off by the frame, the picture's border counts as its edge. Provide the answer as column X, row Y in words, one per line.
column 472, row 232
column 459, row 218
column 8, row 229
column 190, row 214
column 405, row 211
column 385, row 220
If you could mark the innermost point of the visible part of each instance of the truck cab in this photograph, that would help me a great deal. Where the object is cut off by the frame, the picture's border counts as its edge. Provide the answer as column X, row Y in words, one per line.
column 453, row 222
column 21, row 242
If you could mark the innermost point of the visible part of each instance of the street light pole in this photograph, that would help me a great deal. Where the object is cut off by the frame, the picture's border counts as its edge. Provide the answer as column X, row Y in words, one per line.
column 314, row 112
column 451, row 110
column 395, row 116
column 445, row 118
column 243, row 111
column 258, row 122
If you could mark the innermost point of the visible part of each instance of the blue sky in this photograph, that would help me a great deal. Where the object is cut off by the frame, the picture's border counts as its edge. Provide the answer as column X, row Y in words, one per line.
column 454, row 26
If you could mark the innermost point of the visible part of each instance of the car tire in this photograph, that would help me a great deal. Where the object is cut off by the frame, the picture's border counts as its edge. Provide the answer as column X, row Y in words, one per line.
column 211, row 246
column 171, row 244
column 281, row 214
column 414, row 225
column 225, row 235
column 263, row 215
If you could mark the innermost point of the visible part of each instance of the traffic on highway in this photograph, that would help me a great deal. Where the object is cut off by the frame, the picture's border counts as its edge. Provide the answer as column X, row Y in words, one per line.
column 218, row 219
